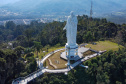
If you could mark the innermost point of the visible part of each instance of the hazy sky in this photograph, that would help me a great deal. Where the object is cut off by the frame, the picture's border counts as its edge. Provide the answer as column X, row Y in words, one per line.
column 13, row 1
column 2, row 2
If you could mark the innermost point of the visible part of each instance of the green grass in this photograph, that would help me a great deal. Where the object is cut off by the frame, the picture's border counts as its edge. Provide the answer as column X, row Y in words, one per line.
column 56, row 57
column 104, row 45
column 53, row 58
column 41, row 54
column 101, row 45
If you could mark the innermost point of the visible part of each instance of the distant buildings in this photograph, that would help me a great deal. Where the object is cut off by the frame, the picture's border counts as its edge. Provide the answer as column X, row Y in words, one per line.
column 40, row 20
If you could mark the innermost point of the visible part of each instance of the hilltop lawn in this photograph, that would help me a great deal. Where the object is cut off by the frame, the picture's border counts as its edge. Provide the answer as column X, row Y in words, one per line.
column 57, row 61
column 101, row 45
column 104, row 45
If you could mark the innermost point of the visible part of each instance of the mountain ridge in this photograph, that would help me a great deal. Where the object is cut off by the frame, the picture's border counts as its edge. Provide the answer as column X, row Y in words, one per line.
column 39, row 8
column 57, row 6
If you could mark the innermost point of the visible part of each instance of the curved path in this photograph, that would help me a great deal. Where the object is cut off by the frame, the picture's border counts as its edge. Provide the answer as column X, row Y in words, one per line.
column 51, row 64
column 25, row 80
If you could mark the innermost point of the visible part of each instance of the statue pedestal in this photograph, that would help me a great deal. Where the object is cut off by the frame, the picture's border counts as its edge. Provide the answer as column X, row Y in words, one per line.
column 71, row 51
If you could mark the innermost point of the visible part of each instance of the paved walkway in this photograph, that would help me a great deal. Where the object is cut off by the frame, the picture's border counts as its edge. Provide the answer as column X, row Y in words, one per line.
column 50, row 63
column 25, row 80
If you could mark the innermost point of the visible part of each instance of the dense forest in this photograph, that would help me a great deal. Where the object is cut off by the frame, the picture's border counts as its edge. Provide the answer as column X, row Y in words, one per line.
column 108, row 68
column 17, row 42
column 52, row 33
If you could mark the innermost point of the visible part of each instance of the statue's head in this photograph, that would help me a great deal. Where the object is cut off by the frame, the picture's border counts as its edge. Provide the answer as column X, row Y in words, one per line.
column 72, row 13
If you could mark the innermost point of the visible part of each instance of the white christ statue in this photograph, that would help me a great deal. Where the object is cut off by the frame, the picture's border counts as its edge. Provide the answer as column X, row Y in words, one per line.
column 71, row 29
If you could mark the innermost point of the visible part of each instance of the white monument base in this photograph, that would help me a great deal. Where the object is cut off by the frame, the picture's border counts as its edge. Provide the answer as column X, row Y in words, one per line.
column 81, row 50
column 71, row 51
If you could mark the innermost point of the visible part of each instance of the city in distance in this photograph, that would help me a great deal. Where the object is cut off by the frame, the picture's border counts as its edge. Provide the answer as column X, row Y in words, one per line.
column 49, row 10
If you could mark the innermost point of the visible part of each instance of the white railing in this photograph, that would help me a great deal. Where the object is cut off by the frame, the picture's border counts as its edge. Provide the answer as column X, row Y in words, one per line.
column 44, row 58
column 37, row 73
column 23, row 78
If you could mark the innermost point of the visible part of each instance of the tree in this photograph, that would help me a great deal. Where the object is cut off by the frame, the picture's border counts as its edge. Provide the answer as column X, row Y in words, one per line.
column 28, row 34
column 110, row 30
column 37, row 46
column 1, row 39
column 88, row 37
column 47, row 47
column 19, row 50
column 7, row 59
column 118, row 37
column 32, row 66
column 123, row 31
column 10, row 25
column 19, row 67
column 18, row 31
column 21, row 39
